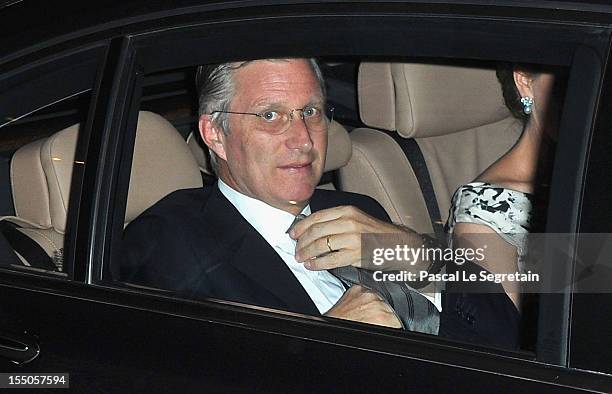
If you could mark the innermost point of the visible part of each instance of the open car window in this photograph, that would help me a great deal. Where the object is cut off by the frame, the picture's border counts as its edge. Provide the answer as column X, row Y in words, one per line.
column 459, row 149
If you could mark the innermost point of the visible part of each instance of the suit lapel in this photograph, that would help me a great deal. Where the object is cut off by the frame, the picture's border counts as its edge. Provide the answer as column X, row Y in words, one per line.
column 247, row 251
column 323, row 199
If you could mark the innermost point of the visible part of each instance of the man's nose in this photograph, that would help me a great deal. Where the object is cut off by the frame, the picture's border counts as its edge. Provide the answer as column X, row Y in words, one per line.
column 298, row 136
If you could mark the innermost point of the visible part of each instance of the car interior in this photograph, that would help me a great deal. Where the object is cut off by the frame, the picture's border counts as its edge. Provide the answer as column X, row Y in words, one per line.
column 405, row 133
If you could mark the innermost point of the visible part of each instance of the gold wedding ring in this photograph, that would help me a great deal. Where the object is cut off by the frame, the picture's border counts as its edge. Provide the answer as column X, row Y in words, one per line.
column 328, row 244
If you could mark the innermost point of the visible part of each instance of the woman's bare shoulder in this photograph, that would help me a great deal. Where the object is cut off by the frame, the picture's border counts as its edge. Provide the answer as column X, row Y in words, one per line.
column 500, row 175
column 510, row 184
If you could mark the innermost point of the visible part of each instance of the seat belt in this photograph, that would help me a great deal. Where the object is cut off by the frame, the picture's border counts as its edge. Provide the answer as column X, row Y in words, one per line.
column 29, row 249
column 415, row 156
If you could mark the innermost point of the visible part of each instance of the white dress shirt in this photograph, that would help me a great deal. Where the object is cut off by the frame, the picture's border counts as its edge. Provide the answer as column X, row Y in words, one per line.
column 272, row 223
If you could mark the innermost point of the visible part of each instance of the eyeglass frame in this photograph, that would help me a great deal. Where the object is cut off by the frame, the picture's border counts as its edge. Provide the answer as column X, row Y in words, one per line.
column 259, row 115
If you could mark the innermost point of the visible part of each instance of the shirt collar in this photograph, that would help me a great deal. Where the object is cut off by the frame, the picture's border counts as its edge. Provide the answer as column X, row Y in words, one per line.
column 272, row 223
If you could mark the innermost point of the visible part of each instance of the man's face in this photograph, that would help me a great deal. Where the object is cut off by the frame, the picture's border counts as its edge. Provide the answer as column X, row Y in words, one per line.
column 281, row 170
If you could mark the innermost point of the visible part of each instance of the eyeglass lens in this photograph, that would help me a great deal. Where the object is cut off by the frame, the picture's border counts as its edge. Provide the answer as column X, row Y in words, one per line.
column 277, row 122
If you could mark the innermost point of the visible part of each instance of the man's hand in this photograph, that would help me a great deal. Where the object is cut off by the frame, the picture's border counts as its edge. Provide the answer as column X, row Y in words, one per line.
column 340, row 229
column 362, row 305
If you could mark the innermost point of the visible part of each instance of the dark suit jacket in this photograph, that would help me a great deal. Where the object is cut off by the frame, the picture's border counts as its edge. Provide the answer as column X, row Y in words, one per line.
column 195, row 243
column 479, row 312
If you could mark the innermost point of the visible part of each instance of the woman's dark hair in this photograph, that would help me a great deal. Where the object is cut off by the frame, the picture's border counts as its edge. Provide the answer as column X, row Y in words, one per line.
column 512, row 97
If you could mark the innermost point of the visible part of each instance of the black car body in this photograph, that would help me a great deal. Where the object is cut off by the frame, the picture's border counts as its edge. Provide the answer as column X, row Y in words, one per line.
column 112, row 337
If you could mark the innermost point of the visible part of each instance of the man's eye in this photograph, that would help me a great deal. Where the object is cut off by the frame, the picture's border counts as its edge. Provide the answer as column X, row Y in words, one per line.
column 270, row 116
column 309, row 112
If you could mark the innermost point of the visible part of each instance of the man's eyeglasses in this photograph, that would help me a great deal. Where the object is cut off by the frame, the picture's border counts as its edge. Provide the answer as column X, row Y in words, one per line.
column 316, row 118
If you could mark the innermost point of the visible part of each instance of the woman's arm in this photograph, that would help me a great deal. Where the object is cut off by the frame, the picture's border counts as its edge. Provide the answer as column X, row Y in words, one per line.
column 499, row 257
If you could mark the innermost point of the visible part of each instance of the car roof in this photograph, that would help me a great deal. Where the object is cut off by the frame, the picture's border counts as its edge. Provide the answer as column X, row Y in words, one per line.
column 30, row 25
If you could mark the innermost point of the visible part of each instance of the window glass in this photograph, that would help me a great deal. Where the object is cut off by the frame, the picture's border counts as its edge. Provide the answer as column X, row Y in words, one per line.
column 38, row 140
column 37, row 154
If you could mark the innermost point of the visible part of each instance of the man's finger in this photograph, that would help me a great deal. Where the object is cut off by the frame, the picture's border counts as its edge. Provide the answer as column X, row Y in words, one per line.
column 386, row 316
column 320, row 231
column 328, row 244
column 334, row 260
column 363, row 305
column 324, row 215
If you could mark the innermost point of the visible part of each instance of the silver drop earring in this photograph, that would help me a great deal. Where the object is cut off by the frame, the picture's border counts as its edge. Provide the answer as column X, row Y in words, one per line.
column 527, row 104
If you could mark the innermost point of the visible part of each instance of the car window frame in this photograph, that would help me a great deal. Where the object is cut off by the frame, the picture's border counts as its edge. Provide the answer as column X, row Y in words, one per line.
column 136, row 64
column 588, row 312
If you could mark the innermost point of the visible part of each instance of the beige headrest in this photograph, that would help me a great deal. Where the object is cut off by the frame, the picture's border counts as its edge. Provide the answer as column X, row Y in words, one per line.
column 339, row 149
column 41, row 172
column 162, row 163
column 423, row 100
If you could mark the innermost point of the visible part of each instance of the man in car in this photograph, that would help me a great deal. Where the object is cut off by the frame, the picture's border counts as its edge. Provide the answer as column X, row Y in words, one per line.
column 265, row 125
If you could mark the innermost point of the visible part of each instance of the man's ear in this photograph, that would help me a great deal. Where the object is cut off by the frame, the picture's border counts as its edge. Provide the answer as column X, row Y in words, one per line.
column 524, row 83
column 212, row 135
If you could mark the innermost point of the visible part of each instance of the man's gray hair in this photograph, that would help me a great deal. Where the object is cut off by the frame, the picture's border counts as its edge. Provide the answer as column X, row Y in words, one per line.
column 216, row 89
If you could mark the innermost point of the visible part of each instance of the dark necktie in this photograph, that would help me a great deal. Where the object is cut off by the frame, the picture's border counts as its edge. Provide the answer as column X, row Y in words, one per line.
column 415, row 311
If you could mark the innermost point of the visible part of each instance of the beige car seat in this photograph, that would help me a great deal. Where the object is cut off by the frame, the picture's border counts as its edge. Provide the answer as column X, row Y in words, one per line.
column 457, row 117
column 41, row 174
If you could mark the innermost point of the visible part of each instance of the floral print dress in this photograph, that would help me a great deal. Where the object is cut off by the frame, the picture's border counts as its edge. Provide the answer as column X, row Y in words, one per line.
column 506, row 211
